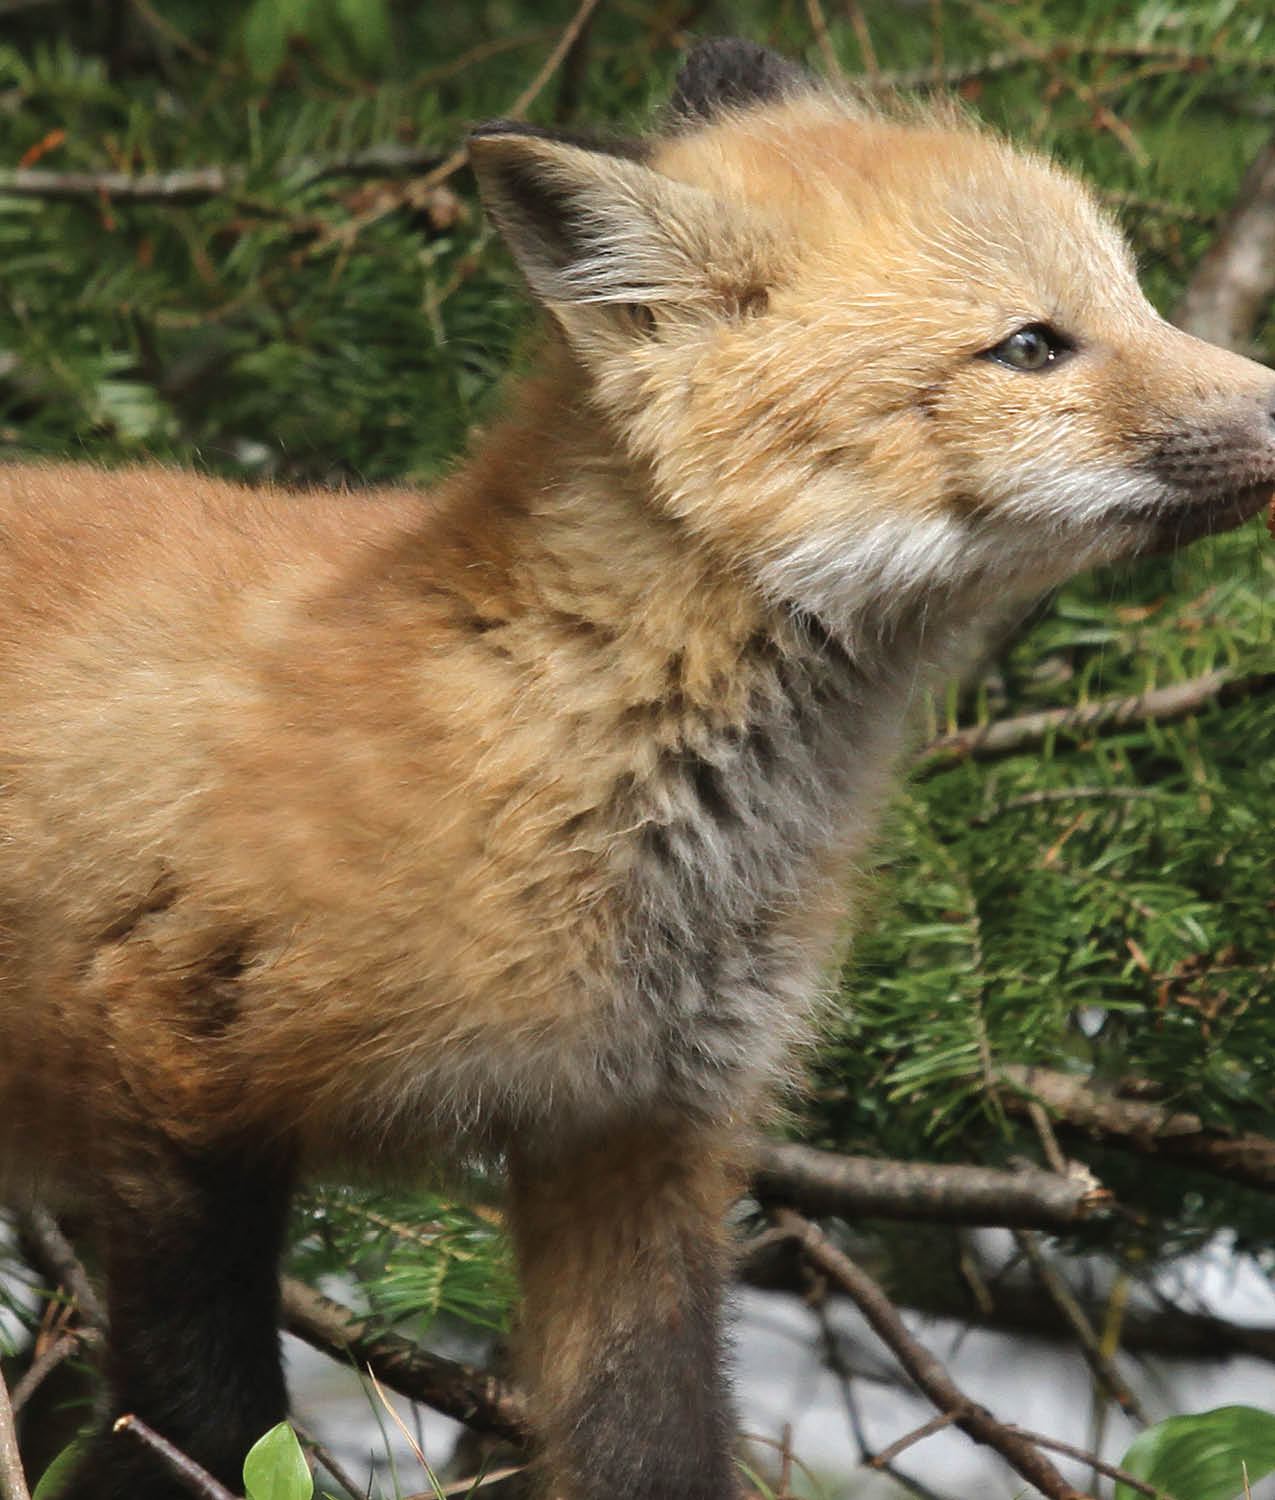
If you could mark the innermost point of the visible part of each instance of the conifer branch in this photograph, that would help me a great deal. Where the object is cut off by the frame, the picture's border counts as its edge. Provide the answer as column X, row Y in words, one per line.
column 1148, row 1129
column 857, row 1187
column 1028, row 731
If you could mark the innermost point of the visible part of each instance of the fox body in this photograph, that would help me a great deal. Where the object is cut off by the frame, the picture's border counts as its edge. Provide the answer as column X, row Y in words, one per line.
column 345, row 832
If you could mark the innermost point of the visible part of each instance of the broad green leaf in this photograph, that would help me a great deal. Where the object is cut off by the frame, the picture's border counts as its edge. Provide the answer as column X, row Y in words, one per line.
column 1199, row 1457
column 60, row 1470
column 275, row 1468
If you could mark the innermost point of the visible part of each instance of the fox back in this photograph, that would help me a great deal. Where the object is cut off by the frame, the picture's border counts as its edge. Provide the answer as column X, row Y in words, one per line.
column 345, row 833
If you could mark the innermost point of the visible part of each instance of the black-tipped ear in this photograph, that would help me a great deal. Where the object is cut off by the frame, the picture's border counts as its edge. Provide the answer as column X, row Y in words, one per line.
column 727, row 72
column 591, row 229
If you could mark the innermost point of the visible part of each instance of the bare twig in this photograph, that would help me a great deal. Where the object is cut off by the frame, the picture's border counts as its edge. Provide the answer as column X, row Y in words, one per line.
column 193, row 186
column 1060, row 1294
column 1103, row 115
column 1237, row 275
column 1149, row 1129
column 44, row 1364
column 190, row 1475
column 900, row 1445
column 864, row 37
column 926, row 1371
column 323, row 1456
column 13, row 1484
column 1094, row 1462
column 468, row 1395
column 1027, row 731
column 1026, row 54
column 819, row 26
column 55, row 1258
column 822, row 1182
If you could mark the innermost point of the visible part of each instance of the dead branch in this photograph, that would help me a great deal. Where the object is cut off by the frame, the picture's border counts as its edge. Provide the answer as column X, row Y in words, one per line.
column 1028, row 731
column 481, row 1401
column 1231, row 284
column 195, row 185
column 1071, row 1312
column 858, row 1187
column 1094, row 1462
column 51, row 1252
column 13, row 1484
column 43, row 1365
column 926, row 1371
column 190, row 1475
column 1149, row 1129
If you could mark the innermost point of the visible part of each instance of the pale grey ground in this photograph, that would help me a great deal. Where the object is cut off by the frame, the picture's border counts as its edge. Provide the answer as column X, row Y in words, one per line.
column 780, row 1380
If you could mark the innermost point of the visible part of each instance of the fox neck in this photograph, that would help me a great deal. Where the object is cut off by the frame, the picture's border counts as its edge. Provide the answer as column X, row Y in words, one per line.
column 729, row 754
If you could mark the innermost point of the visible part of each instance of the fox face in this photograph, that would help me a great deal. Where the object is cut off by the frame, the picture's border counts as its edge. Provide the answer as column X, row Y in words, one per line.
column 880, row 361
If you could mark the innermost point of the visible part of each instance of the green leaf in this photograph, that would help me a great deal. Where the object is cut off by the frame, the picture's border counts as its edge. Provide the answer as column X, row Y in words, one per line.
column 1199, row 1457
column 275, row 1468
column 60, row 1470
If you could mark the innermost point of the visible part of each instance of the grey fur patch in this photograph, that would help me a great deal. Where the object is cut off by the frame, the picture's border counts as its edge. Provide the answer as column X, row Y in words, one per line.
column 729, row 72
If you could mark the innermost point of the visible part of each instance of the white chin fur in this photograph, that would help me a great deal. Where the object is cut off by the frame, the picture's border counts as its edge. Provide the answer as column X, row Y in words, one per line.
column 867, row 575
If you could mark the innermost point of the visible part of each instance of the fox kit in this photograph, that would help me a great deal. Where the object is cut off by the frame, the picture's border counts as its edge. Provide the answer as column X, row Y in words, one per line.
column 514, row 821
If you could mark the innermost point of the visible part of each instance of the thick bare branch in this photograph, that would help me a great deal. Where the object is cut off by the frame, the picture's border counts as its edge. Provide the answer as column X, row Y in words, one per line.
column 821, row 1182
column 1149, row 1129
column 1226, row 294
column 13, row 1484
column 481, row 1401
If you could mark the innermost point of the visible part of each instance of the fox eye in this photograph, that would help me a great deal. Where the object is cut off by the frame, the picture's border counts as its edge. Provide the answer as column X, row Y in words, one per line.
column 1033, row 347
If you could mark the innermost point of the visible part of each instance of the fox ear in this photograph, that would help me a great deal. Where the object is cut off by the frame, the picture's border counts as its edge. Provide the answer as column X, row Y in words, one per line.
column 591, row 226
column 728, row 72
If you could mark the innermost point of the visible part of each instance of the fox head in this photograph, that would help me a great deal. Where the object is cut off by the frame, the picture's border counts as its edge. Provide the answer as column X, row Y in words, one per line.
column 874, row 358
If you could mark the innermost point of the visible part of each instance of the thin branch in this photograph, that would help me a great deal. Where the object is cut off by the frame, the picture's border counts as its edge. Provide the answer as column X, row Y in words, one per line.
column 918, row 1434
column 1148, row 1129
column 460, row 1391
column 327, row 1460
column 1103, row 115
column 1094, row 1462
column 1029, row 731
column 44, row 1364
column 822, row 1182
column 13, row 1484
column 1060, row 1294
column 864, row 37
column 1232, row 283
column 926, row 1371
column 819, row 26
column 38, row 1230
column 190, row 1475
column 1029, row 55
column 196, row 185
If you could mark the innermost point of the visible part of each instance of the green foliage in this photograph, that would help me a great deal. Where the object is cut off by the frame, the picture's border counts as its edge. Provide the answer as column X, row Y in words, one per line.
column 275, row 1468
column 1212, row 1455
column 417, row 1255
column 60, row 1470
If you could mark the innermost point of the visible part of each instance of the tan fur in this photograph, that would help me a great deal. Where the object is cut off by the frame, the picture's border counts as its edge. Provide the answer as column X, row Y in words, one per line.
column 515, row 818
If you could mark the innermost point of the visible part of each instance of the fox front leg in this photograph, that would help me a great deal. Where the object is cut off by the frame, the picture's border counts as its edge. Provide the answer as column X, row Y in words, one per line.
column 622, row 1253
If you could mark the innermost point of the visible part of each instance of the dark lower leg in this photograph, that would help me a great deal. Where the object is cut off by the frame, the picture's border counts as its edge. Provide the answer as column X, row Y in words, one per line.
column 191, row 1246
